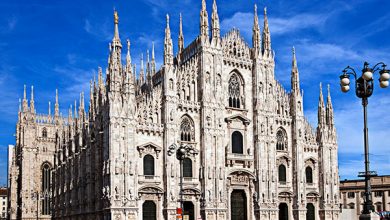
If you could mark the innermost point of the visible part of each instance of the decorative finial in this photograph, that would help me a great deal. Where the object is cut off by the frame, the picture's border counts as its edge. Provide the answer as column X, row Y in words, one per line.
column 255, row 9
column 128, row 45
column 167, row 20
column 265, row 10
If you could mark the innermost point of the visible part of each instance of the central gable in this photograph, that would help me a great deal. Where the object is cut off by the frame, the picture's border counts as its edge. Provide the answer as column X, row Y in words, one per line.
column 234, row 45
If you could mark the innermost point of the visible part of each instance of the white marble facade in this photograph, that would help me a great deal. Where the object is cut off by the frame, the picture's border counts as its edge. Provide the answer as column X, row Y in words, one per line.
column 259, row 158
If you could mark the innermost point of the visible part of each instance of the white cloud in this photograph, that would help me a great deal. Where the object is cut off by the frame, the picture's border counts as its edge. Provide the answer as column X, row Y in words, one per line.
column 278, row 25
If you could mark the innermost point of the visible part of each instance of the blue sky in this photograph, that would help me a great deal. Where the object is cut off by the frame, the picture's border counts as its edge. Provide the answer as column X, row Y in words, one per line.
column 60, row 44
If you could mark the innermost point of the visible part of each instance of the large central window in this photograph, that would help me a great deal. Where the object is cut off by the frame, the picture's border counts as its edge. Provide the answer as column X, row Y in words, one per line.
column 235, row 85
column 187, row 131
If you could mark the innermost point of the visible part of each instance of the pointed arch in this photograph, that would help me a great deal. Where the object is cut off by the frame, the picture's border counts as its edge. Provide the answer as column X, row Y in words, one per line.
column 281, row 139
column 236, row 90
column 187, row 129
column 46, row 188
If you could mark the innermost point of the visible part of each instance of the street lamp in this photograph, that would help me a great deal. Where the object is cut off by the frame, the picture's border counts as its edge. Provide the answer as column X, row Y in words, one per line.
column 182, row 152
column 364, row 87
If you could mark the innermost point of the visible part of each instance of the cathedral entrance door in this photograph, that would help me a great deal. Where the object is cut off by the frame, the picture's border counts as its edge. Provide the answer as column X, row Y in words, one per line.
column 149, row 211
column 188, row 210
column 283, row 211
column 310, row 213
column 238, row 205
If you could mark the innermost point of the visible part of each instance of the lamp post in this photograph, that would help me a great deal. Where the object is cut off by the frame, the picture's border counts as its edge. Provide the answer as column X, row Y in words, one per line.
column 182, row 152
column 364, row 87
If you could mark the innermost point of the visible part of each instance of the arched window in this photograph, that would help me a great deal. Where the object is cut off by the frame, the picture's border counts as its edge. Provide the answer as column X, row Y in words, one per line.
column 187, row 131
column 282, row 174
column 235, row 91
column 309, row 175
column 44, row 133
column 149, row 165
column 46, row 184
column 237, row 143
column 149, row 211
column 187, row 167
column 281, row 139
column 310, row 213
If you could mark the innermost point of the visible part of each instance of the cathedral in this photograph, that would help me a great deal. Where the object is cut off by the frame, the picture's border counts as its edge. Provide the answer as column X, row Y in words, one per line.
column 250, row 153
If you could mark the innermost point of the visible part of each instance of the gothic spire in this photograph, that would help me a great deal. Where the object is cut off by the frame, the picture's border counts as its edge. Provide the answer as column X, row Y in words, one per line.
column 141, row 73
column 204, row 23
column 128, row 57
column 25, row 103
column 295, row 83
column 49, row 110
column 256, row 39
column 116, row 41
column 168, row 46
column 215, row 22
column 181, row 36
column 148, row 68
column 266, row 42
column 153, row 60
column 329, row 109
column 91, row 100
column 321, row 109
column 56, row 106
column 70, row 114
column 115, row 58
column 32, row 106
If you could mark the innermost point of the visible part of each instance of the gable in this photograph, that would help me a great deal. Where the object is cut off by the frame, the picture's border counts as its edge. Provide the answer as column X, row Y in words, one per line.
column 234, row 45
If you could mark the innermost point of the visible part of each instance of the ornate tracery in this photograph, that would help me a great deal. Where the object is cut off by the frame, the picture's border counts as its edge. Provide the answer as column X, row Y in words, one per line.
column 281, row 140
column 235, row 91
column 187, row 130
